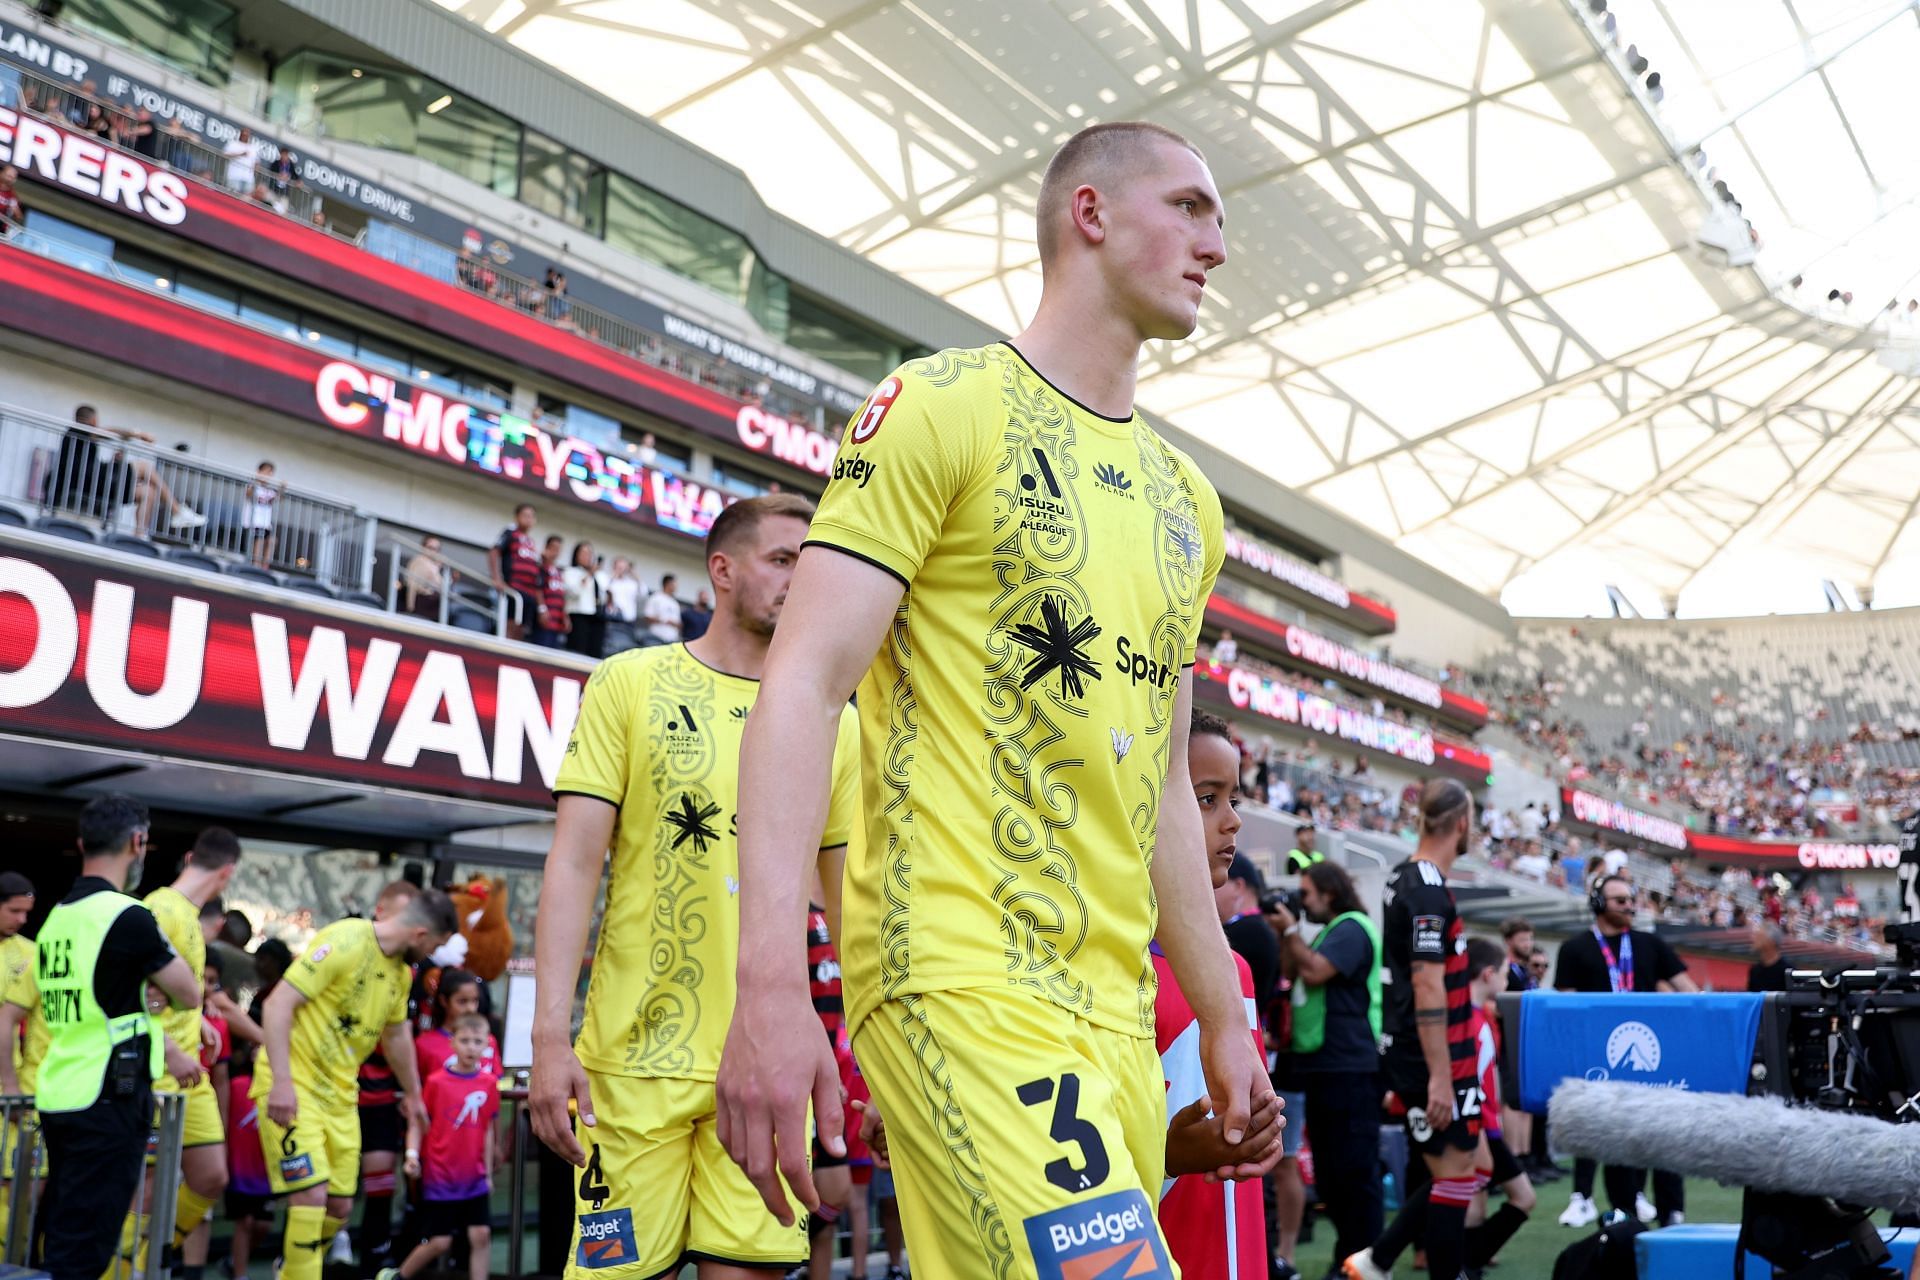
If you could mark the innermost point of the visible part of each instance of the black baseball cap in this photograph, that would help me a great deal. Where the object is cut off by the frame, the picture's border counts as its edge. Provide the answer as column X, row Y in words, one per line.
column 1243, row 868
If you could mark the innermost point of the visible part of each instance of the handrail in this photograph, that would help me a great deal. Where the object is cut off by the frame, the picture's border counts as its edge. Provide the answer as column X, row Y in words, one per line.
column 109, row 479
column 289, row 196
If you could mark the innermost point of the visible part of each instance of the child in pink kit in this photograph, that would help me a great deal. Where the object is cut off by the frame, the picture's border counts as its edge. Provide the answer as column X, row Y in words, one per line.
column 454, row 1160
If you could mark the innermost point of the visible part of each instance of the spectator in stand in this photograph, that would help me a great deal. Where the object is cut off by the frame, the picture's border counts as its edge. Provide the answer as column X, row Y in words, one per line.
column 559, row 310
column 93, row 487
column 11, row 213
column 515, row 566
column 585, row 604
column 98, row 123
column 648, row 452
column 318, row 219
column 622, row 595
column 1532, row 863
column 552, row 624
column 282, row 177
column 257, row 518
column 1226, row 650
column 662, row 614
column 141, row 136
column 424, row 580
column 1573, row 862
column 243, row 157
column 1337, row 1010
column 1769, row 970
column 176, row 149
column 1615, row 861
column 697, row 617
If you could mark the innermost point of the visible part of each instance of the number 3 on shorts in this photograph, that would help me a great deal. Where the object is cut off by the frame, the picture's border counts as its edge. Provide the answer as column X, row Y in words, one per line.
column 1068, row 1127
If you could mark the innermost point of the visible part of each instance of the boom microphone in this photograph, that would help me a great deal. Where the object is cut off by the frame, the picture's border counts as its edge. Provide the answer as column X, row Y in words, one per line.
column 1760, row 1143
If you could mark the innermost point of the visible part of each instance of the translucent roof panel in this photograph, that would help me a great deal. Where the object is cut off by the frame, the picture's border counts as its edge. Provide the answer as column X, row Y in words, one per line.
column 1468, row 302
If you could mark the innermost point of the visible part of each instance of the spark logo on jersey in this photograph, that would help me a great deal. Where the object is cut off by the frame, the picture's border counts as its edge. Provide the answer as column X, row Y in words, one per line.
column 606, row 1239
column 1111, row 1237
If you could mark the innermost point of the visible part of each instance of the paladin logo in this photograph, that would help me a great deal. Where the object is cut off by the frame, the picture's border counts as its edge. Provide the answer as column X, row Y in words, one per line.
column 1111, row 1236
column 1113, row 480
column 1634, row 1047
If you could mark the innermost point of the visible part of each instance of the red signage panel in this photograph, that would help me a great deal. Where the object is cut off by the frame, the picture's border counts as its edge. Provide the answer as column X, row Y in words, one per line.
column 100, row 653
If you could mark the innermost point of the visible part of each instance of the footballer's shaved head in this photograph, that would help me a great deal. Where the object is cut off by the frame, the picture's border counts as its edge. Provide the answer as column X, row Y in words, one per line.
column 1100, row 155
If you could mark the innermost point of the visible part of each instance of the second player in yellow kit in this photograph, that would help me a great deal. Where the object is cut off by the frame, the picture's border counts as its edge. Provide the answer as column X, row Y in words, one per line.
column 19, row 1004
column 343, row 998
column 652, row 772
column 179, row 919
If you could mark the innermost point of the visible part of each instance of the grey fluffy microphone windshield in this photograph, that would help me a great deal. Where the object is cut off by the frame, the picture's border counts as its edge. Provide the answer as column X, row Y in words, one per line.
column 1744, row 1142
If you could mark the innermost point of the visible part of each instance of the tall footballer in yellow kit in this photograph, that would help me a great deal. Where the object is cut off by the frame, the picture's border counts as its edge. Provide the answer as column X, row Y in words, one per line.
column 1012, row 565
column 651, row 772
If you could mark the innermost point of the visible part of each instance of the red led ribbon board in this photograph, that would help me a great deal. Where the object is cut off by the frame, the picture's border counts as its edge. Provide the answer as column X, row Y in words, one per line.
column 100, row 654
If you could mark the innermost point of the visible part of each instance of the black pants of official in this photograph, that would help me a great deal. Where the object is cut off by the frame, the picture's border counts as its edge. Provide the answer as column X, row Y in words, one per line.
column 1343, row 1123
column 1625, row 1183
column 94, row 1162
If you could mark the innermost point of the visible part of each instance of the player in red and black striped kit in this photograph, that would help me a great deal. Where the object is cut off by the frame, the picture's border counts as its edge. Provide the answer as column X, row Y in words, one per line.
column 836, row 1177
column 1429, row 1057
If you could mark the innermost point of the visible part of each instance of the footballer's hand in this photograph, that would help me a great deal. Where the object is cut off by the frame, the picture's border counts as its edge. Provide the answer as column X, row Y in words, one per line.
column 1237, row 1080
column 873, row 1132
column 283, row 1105
column 558, row 1081
column 764, row 1088
column 1439, row 1102
column 183, row 1066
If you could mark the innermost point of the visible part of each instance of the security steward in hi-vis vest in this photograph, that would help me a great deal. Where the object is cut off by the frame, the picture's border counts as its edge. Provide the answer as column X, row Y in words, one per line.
column 96, row 954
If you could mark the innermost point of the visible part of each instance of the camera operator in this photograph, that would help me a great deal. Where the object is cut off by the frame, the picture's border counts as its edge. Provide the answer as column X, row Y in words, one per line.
column 1614, row 957
column 1337, row 1006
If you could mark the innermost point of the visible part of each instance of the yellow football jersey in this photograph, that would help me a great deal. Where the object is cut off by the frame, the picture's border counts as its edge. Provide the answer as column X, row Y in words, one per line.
column 659, row 736
column 179, row 921
column 17, row 960
column 1015, row 722
column 354, row 992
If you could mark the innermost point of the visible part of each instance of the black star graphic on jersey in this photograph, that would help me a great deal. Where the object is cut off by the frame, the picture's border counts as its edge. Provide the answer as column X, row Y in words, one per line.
column 347, row 1023
column 691, row 823
column 1058, row 647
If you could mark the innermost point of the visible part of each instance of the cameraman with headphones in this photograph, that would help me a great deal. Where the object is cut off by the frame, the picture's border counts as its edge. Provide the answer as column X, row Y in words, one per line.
column 1613, row 956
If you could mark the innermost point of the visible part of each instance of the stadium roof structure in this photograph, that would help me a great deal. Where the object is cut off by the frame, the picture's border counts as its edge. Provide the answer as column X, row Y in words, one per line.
column 1467, row 304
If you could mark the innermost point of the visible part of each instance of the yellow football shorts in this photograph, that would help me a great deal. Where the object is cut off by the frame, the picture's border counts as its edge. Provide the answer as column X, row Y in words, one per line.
column 203, row 1127
column 321, row 1145
column 660, row 1190
column 1026, row 1143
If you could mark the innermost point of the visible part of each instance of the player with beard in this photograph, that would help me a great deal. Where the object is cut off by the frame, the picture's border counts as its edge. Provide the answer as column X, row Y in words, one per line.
column 652, row 772
column 1011, row 565
column 1429, row 1056
column 346, row 996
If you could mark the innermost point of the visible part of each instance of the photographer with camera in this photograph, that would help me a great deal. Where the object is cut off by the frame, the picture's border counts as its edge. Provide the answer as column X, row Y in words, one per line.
column 1337, row 1004
column 1614, row 957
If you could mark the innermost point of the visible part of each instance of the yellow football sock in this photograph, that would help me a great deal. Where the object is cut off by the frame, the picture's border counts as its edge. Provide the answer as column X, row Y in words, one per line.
column 305, row 1246
column 191, row 1211
column 333, row 1227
